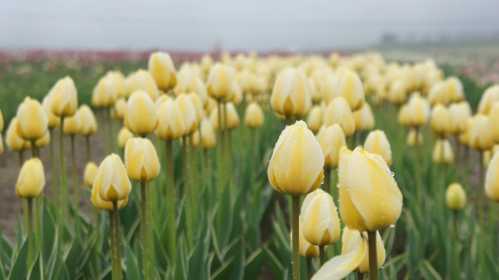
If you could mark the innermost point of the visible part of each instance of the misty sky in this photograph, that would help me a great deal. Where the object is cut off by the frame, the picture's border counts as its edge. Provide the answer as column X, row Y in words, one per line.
column 232, row 24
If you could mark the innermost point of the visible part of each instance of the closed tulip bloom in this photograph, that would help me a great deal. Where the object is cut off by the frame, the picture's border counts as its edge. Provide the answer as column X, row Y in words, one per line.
column 296, row 165
column 53, row 120
column 460, row 113
column 189, row 81
column 350, row 87
column 12, row 138
column 492, row 178
column 32, row 119
column 208, row 137
column 188, row 113
column 349, row 240
column 88, row 125
column 486, row 157
column 321, row 225
column 112, row 179
column 99, row 203
column 171, row 124
column 120, row 107
column 305, row 248
column 364, row 118
column 291, row 94
column 162, row 70
column 89, row 174
column 480, row 133
column 221, row 82
column 494, row 119
column 419, row 111
column 455, row 197
column 338, row 112
column 141, row 80
column 198, row 107
column 31, row 179
column 2, row 124
column 370, row 201
column 314, row 119
column 442, row 152
column 489, row 97
column 123, row 137
column 331, row 139
column 43, row 141
column 377, row 143
column 253, row 116
column 141, row 159
column 404, row 115
column 105, row 92
column 414, row 137
column 72, row 125
column 232, row 116
column 63, row 98
column 141, row 117
column 441, row 121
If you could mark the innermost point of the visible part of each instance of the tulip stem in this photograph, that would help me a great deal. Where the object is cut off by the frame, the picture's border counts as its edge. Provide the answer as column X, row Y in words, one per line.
column 373, row 260
column 35, row 153
column 322, row 255
column 295, row 227
column 88, row 148
column 75, row 173
column 30, row 236
column 62, row 179
column 171, row 198
column 117, row 274
column 145, row 232
column 109, row 140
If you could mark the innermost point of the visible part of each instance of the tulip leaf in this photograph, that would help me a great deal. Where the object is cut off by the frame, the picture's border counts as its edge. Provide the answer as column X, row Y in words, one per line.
column 20, row 262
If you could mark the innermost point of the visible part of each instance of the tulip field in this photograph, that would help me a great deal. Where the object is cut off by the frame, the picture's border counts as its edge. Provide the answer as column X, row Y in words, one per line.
column 246, row 166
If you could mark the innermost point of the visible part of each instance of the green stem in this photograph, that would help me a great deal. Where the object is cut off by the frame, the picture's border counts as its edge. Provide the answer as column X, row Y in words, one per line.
column 295, row 227
column 74, row 174
column 35, row 153
column 63, row 191
column 117, row 274
column 322, row 255
column 109, row 140
column 88, row 149
column 187, row 192
column 145, row 232
column 373, row 260
column 30, row 236
column 171, row 198
column 327, row 179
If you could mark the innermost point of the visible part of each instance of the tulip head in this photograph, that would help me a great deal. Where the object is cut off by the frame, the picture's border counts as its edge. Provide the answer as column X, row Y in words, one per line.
column 350, row 239
column 321, row 225
column 489, row 97
column 120, row 107
column 105, row 92
column 377, row 143
column 441, row 121
column 414, row 137
column 89, row 174
column 253, row 116
column 162, row 70
column 232, row 118
column 171, row 123
column 296, row 165
column 221, row 82
column 305, row 248
column 141, row 159
column 63, row 98
column 455, row 197
column 208, row 136
column 141, row 80
column 350, row 87
column 12, row 138
column 88, row 122
column 364, row 118
column 492, row 178
column 480, row 133
column 442, row 152
column 338, row 112
column 291, row 97
column 53, row 120
column 314, row 119
column 72, row 125
column 141, row 117
column 331, row 139
column 31, row 179
column 111, row 180
column 32, row 119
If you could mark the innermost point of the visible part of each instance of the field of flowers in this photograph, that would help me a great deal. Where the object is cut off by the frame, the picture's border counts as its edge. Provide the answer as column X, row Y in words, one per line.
column 246, row 167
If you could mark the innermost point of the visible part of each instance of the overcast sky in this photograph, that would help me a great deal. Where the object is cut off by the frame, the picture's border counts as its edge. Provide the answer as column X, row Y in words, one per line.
column 233, row 24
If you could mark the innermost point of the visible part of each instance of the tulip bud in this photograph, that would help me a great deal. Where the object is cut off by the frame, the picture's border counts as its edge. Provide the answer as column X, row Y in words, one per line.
column 12, row 138
column 338, row 112
column 32, row 119
column 88, row 123
column 455, row 197
column 414, row 137
column 418, row 111
column 141, row 117
column 297, row 162
column 377, row 143
column 53, row 120
column 123, row 137
column 480, row 133
column 305, row 248
column 489, row 97
column 112, row 180
column 120, row 107
column 73, row 124
column 232, row 120
column 442, row 152
column 441, row 121
column 291, row 94
column 372, row 201
column 141, row 80
column 188, row 80
column 486, row 157
column 492, row 178
column 105, row 92
column 208, row 137
column 2, row 124
column 350, row 87
column 460, row 113
column 221, row 83
column 141, row 159
column 31, row 179
column 89, row 174
column 188, row 113
column 331, row 139
column 321, row 225
column 44, row 141
column 364, row 118
column 171, row 124
column 63, row 98
column 253, row 117
column 195, row 139
column 350, row 239
column 162, row 70
column 314, row 119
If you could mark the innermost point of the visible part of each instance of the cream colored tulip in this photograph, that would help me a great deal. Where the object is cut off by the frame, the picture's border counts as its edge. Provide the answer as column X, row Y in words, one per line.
column 320, row 222
column 480, row 133
column 441, row 121
column 31, row 179
column 460, row 113
column 291, row 96
column 372, row 201
column 163, row 71
column 442, row 152
column 349, row 240
column 404, row 115
column 63, row 98
column 89, row 174
column 414, row 137
column 53, row 120
column 455, row 197
column 188, row 111
column 141, row 159
column 492, row 178
column 338, row 112
column 208, row 136
column 331, row 139
column 105, row 92
column 305, row 248
column 32, row 119
column 418, row 112
column 232, row 120
column 43, row 141
column 171, row 124
column 120, row 107
column 88, row 122
column 221, row 82
column 123, row 135
column 296, row 165
column 253, row 116
column 364, row 118
column 351, row 88
column 12, row 138
column 377, row 143
column 141, row 80
column 189, row 81
column 489, row 97
column 314, row 119
column 112, row 180
column 141, row 117
column 73, row 124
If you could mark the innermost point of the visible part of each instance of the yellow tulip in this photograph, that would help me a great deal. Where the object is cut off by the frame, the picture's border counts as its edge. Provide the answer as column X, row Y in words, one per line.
column 105, row 92
column 99, row 203
column 455, row 197
column 12, row 138
column 326, row 85
column 418, row 112
column 253, row 116
column 460, row 113
column 32, row 119
column 414, row 137
column 305, row 248
column 232, row 120
column 112, row 180
column 486, row 157
column 141, row 117
column 221, row 82
column 188, row 113
column 371, row 201
column 208, row 137
column 441, row 121
column 89, row 174
column 189, row 80
column 31, row 179
column 123, row 137
column 198, row 107
column 43, row 141
column 489, row 97
column 195, row 140
column 296, row 165
column 364, row 118
column 1, row 144
column 171, row 124
column 442, row 152
column 63, row 98
column 2, row 124
column 53, row 120
column 351, row 88
column 493, row 119
column 119, row 83
column 314, row 119
column 162, row 69
column 331, row 139
column 73, row 124
column 120, row 107
column 141, row 159
column 141, row 80
column 349, row 240
column 320, row 222
column 338, row 112
column 88, row 123
column 480, row 133
column 492, row 178
column 291, row 96
column 377, row 143
column 404, row 115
